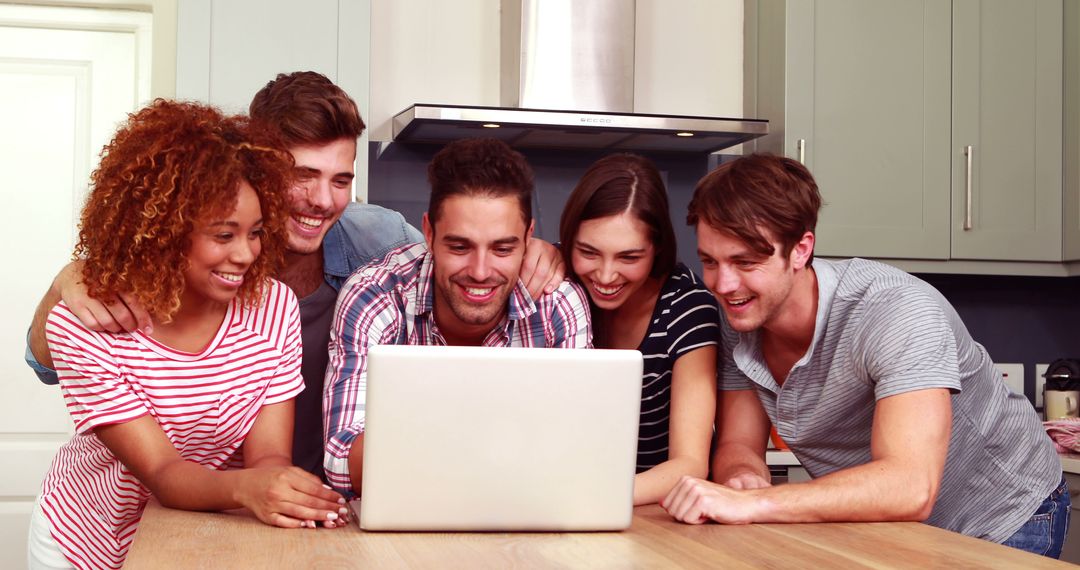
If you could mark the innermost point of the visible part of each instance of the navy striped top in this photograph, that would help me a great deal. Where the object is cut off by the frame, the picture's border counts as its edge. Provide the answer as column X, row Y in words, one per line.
column 685, row 318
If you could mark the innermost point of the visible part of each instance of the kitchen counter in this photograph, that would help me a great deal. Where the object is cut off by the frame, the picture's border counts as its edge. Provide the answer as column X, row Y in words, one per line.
column 1070, row 462
column 175, row 539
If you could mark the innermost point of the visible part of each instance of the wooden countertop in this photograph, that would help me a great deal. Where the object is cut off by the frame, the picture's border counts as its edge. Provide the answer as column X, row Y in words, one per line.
column 175, row 539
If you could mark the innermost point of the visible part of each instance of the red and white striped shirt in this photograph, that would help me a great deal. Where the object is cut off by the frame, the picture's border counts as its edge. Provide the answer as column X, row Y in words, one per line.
column 205, row 403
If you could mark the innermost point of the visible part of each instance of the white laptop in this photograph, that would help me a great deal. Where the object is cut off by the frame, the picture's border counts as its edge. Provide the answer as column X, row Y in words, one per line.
column 511, row 439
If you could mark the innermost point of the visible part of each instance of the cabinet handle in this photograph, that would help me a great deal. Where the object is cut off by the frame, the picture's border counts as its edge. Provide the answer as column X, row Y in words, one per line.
column 801, row 146
column 969, row 152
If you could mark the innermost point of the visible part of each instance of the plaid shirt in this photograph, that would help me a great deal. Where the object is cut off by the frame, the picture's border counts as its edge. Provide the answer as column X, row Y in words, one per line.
column 391, row 302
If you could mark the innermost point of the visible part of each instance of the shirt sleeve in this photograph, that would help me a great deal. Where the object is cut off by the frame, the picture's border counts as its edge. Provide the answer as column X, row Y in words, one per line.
column 693, row 321
column 366, row 314
column 571, row 319
column 905, row 342
column 45, row 374
column 95, row 390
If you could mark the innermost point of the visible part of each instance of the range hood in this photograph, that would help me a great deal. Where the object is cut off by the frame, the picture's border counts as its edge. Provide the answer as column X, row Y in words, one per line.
column 567, row 82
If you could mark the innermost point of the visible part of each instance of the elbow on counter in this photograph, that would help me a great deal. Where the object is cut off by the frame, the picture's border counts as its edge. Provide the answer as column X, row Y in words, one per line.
column 920, row 503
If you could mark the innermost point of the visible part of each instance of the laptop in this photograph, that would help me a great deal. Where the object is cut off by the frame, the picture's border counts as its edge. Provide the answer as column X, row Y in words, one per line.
column 500, row 439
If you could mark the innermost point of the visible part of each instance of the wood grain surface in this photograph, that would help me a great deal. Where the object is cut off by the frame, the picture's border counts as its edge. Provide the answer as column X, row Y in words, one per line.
column 175, row 539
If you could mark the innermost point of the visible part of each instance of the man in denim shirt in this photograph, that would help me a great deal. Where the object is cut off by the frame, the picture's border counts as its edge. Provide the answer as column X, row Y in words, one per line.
column 329, row 238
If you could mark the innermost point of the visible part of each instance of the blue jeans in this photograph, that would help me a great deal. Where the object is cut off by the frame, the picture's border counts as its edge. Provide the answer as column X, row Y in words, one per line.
column 1044, row 533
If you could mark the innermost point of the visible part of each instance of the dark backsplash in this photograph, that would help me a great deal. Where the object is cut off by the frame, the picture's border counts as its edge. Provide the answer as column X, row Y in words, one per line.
column 1025, row 320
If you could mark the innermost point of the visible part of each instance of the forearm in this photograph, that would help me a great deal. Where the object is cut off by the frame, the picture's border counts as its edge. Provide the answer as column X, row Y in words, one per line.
column 39, row 346
column 356, row 464
column 189, row 486
column 731, row 459
column 881, row 490
column 653, row 485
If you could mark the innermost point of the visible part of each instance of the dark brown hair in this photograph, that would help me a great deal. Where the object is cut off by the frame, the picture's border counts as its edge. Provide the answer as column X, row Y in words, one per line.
column 480, row 167
column 169, row 167
column 307, row 109
column 611, row 186
column 759, row 191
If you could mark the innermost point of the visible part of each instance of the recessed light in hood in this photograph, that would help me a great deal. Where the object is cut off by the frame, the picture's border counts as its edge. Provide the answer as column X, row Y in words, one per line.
column 536, row 128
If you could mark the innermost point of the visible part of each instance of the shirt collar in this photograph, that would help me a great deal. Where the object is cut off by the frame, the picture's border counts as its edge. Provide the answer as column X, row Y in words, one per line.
column 747, row 354
column 336, row 252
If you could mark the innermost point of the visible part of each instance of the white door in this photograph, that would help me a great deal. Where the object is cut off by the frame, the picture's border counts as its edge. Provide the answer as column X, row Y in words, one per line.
column 67, row 77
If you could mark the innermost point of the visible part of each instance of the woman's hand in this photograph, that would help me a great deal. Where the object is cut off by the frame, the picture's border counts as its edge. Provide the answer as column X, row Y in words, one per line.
column 290, row 497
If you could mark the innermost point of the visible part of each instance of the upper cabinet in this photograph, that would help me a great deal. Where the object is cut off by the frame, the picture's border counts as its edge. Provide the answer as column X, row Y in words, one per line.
column 934, row 129
column 1007, row 135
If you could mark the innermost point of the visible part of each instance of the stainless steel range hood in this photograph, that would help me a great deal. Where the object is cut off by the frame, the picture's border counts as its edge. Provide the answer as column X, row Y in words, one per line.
column 567, row 81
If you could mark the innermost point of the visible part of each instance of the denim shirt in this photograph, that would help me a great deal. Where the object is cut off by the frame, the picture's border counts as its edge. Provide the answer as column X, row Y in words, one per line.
column 364, row 233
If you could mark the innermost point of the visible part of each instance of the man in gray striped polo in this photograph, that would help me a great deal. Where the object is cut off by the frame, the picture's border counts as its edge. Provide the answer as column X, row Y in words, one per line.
column 869, row 376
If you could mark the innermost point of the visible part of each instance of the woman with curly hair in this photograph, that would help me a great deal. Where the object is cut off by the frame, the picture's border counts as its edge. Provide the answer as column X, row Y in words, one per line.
column 186, row 214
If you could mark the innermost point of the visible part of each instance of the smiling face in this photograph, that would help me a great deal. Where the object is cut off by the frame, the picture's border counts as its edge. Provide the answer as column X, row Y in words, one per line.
column 320, row 193
column 753, row 289
column 477, row 245
column 613, row 257
column 221, row 252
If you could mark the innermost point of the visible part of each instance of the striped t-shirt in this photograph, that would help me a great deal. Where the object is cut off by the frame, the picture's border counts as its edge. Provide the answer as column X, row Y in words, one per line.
column 205, row 403
column 881, row 332
column 684, row 320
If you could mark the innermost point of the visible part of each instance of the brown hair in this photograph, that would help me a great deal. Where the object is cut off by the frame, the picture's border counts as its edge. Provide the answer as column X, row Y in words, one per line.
column 307, row 109
column 611, row 186
column 169, row 167
column 759, row 191
column 480, row 167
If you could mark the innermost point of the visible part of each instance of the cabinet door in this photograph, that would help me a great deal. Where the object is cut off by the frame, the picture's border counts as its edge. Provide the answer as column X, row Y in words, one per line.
column 1007, row 107
column 868, row 92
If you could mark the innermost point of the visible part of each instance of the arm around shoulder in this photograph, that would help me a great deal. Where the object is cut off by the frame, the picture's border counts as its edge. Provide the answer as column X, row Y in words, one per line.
column 570, row 317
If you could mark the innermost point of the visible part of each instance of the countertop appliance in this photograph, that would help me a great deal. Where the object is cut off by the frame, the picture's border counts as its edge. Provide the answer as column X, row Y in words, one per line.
column 1061, row 392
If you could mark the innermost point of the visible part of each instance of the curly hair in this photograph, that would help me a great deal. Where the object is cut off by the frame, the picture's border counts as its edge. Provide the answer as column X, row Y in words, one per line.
column 171, row 166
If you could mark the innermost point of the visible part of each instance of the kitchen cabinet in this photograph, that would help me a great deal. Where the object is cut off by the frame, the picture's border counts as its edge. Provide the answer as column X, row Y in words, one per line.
column 1007, row 114
column 882, row 100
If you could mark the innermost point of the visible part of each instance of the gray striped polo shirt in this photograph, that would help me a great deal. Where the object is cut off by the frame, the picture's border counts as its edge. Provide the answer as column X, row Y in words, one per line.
column 881, row 332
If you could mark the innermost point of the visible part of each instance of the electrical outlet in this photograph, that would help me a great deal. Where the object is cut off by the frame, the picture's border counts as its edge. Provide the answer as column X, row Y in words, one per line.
column 1040, row 369
column 1013, row 375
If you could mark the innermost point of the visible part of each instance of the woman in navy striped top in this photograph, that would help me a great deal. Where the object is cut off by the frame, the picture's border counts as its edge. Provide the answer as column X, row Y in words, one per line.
column 618, row 242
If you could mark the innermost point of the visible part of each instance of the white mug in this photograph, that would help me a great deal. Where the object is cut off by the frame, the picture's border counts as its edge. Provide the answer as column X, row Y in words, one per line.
column 1061, row 404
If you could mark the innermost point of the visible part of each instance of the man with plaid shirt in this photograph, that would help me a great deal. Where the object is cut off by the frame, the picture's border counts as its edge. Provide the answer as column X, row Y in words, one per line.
column 459, row 287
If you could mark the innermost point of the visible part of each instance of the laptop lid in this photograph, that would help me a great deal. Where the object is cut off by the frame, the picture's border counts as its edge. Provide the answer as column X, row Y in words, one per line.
column 472, row 438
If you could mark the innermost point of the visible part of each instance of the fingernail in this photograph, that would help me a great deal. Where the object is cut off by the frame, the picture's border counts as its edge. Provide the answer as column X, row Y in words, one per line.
column 341, row 501
column 331, row 516
column 149, row 329
column 325, row 486
column 329, row 524
column 343, row 511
